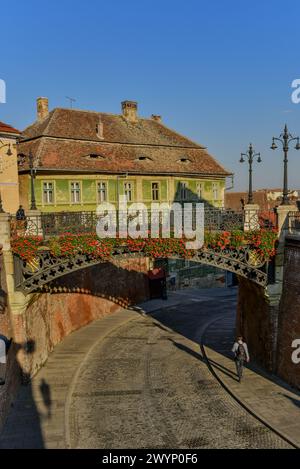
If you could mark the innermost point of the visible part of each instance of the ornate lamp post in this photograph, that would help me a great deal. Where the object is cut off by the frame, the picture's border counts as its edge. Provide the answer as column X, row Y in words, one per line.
column 1, row 206
column 285, row 138
column 32, row 177
column 250, row 155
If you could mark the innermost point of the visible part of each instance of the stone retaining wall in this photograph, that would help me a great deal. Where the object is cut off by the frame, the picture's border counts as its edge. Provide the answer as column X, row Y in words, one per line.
column 289, row 317
column 256, row 321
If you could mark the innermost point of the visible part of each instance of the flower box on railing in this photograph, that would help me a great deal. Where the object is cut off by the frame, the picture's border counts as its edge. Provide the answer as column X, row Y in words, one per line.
column 263, row 242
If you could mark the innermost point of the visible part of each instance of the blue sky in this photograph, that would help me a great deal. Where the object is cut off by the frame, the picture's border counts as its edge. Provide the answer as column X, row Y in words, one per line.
column 219, row 72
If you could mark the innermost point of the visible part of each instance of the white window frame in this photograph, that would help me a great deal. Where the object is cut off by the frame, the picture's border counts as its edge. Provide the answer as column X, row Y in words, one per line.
column 200, row 190
column 183, row 190
column 102, row 188
column 157, row 189
column 215, row 191
column 75, row 191
column 128, row 190
column 46, row 191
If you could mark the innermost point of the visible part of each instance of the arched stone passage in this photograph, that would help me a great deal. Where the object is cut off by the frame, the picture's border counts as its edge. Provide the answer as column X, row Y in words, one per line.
column 103, row 289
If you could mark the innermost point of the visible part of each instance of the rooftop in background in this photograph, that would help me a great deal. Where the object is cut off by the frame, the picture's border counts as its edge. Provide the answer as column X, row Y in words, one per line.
column 8, row 129
column 267, row 199
column 70, row 139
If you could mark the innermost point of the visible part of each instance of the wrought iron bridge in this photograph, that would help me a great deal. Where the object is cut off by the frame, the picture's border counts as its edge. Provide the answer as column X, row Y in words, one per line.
column 36, row 274
column 53, row 224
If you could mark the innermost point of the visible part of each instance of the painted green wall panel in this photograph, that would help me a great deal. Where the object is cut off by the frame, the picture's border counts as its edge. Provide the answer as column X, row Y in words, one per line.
column 88, row 191
column 62, row 191
column 112, row 190
column 147, row 190
column 207, row 186
column 37, row 191
column 164, row 190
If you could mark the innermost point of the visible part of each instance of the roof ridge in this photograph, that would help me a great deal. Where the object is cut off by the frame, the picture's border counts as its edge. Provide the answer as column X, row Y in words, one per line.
column 38, row 122
column 86, row 110
column 110, row 142
column 177, row 133
column 51, row 114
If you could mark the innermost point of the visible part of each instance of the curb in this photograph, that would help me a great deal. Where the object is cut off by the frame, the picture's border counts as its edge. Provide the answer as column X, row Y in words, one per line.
column 245, row 406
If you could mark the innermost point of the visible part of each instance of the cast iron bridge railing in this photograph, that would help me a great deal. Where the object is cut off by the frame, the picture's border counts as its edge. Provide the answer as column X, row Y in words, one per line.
column 53, row 224
column 293, row 223
column 44, row 268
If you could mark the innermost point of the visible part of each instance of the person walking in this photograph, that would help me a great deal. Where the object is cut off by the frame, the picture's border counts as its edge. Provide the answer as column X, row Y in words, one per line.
column 2, row 361
column 241, row 354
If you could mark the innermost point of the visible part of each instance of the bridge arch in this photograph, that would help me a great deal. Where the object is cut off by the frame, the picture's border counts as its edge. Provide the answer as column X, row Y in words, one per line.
column 37, row 274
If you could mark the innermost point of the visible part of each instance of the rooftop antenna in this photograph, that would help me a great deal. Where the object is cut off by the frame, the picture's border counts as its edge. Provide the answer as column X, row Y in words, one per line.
column 72, row 100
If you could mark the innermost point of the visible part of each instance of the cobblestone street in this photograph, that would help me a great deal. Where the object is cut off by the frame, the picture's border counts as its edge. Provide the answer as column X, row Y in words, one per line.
column 140, row 381
column 146, row 385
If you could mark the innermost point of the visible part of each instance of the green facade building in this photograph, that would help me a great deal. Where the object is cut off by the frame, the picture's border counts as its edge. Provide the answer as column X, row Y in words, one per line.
column 83, row 158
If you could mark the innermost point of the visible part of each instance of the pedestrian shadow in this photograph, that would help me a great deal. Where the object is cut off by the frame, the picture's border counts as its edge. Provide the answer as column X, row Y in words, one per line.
column 188, row 350
column 186, row 325
column 226, row 371
column 204, row 359
column 296, row 402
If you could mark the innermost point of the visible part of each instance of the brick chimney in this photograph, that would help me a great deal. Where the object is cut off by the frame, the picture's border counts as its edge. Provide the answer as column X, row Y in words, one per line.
column 42, row 108
column 129, row 110
column 156, row 117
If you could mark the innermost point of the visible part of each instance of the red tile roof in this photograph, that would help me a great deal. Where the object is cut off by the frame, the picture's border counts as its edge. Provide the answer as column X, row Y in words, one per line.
column 5, row 128
column 233, row 200
column 66, row 137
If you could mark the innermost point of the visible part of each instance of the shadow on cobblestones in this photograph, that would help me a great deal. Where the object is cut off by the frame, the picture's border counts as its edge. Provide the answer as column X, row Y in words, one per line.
column 186, row 349
column 296, row 402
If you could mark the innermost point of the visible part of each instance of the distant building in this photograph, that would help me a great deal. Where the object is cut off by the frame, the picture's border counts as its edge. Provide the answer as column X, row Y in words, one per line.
column 83, row 158
column 266, row 199
column 9, row 186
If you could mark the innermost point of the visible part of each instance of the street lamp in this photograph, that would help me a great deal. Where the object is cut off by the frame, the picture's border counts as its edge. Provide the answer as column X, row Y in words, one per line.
column 1, row 206
column 32, row 177
column 250, row 155
column 285, row 138
column 9, row 152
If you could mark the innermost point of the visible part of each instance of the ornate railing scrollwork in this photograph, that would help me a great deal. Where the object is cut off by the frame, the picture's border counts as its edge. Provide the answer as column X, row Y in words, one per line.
column 53, row 224
column 45, row 268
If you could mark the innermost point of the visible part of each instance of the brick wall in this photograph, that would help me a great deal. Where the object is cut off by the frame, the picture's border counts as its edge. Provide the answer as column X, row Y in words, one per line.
column 257, row 322
column 289, row 317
